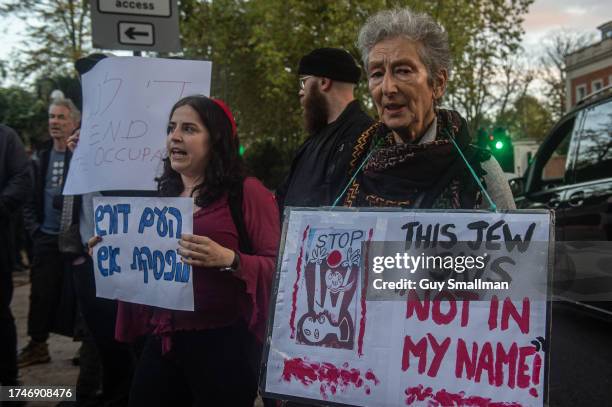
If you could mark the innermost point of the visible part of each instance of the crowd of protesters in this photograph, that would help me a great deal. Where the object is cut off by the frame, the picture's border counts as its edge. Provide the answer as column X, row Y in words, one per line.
column 150, row 356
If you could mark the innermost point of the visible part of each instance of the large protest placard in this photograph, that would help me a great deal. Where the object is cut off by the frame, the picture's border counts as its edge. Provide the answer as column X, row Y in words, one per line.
column 126, row 107
column 395, row 308
column 137, row 260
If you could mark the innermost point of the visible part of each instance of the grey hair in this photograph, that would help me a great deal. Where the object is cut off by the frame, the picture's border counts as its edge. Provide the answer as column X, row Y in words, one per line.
column 418, row 27
column 68, row 104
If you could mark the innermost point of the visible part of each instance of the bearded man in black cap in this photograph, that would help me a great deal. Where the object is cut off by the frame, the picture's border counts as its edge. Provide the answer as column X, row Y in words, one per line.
column 333, row 120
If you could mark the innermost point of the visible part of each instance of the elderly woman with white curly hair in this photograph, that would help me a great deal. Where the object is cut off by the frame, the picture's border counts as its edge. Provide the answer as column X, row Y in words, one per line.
column 418, row 155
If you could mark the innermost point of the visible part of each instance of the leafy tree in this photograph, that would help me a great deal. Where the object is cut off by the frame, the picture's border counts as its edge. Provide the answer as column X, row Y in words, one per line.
column 267, row 161
column 527, row 119
column 69, row 85
column 255, row 47
column 557, row 45
column 3, row 71
column 57, row 32
column 24, row 112
column 514, row 75
column 482, row 35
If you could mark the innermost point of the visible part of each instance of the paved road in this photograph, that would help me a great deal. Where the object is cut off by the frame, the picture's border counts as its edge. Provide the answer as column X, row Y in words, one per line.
column 581, row 359
column 60, row 371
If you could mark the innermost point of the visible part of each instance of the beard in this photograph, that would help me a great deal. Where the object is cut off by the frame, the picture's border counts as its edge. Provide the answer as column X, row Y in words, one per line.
column 315, row 112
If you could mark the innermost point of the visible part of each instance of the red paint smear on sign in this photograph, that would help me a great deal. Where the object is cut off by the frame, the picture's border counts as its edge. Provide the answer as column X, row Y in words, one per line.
column 331, row 377
column 445, row 398
column 295, row 285
column 362, row 321
column 370, row 376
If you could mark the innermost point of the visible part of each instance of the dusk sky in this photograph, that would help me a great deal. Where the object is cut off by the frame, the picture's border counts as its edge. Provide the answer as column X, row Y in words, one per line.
column 548, row 15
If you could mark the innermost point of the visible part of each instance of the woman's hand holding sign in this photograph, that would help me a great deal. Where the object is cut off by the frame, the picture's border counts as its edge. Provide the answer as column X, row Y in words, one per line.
column 91, row 243
column 202, row 251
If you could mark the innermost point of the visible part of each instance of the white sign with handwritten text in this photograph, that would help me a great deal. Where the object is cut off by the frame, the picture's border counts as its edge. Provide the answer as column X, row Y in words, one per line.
column 137, row 259
column 126, row 106
column 331, row 340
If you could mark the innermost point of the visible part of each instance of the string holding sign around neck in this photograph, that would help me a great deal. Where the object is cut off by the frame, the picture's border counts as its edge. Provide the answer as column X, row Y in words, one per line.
column 482, row 188
column 363, row 163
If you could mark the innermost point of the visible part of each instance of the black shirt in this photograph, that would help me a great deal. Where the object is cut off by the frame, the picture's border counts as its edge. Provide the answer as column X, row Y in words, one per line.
column 320, row 169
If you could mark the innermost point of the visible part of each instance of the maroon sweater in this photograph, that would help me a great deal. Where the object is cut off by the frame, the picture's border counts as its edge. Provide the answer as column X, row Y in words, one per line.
column 220, row 298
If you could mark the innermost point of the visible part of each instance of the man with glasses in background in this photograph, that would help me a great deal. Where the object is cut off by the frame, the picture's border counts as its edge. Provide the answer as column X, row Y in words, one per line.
column 333, row 120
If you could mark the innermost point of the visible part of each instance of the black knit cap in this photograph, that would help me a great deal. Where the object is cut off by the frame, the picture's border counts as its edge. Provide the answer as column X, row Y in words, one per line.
column 332, row 63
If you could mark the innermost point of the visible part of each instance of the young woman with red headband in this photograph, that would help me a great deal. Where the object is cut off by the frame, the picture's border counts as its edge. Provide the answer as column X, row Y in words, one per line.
column 203, row 357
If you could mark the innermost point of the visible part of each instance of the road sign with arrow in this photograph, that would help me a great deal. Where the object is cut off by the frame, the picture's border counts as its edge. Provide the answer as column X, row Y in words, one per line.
column 136, row 33
column 138, row 25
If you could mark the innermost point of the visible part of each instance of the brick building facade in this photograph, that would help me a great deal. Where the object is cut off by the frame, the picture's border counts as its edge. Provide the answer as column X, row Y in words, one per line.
column 589, row 69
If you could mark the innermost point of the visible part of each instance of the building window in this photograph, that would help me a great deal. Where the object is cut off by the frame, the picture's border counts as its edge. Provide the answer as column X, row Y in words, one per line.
column 594, row 158
column 580, row 92
column 596, row 85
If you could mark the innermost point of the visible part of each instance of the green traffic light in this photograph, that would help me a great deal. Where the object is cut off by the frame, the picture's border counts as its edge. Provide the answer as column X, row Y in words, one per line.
column 499, row 145
column 241, row 150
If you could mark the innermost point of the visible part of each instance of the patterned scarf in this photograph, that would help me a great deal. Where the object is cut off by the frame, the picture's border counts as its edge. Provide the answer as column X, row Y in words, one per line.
column 417, row 175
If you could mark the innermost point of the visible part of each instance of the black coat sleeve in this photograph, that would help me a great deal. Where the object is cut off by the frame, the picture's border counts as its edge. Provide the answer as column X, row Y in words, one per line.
column 17, row 184
column 31, row 220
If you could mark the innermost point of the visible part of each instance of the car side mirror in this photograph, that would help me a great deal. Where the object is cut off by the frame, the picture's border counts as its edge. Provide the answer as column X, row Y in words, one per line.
column 517, row 186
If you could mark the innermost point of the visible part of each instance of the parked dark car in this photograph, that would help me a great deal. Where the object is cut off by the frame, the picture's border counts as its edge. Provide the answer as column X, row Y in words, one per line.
column 572, row 174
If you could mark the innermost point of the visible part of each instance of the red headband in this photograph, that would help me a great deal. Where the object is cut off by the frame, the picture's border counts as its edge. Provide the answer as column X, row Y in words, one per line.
column 227, row 112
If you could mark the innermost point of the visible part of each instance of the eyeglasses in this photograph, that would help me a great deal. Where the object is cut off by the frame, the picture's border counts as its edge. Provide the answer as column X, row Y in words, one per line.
column 303, row 80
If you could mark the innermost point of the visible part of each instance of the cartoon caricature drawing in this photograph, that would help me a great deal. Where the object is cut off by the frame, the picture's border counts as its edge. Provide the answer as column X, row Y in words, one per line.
column 331, row 279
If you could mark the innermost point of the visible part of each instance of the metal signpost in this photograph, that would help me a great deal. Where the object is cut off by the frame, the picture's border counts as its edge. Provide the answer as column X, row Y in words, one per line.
column 137, row 25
